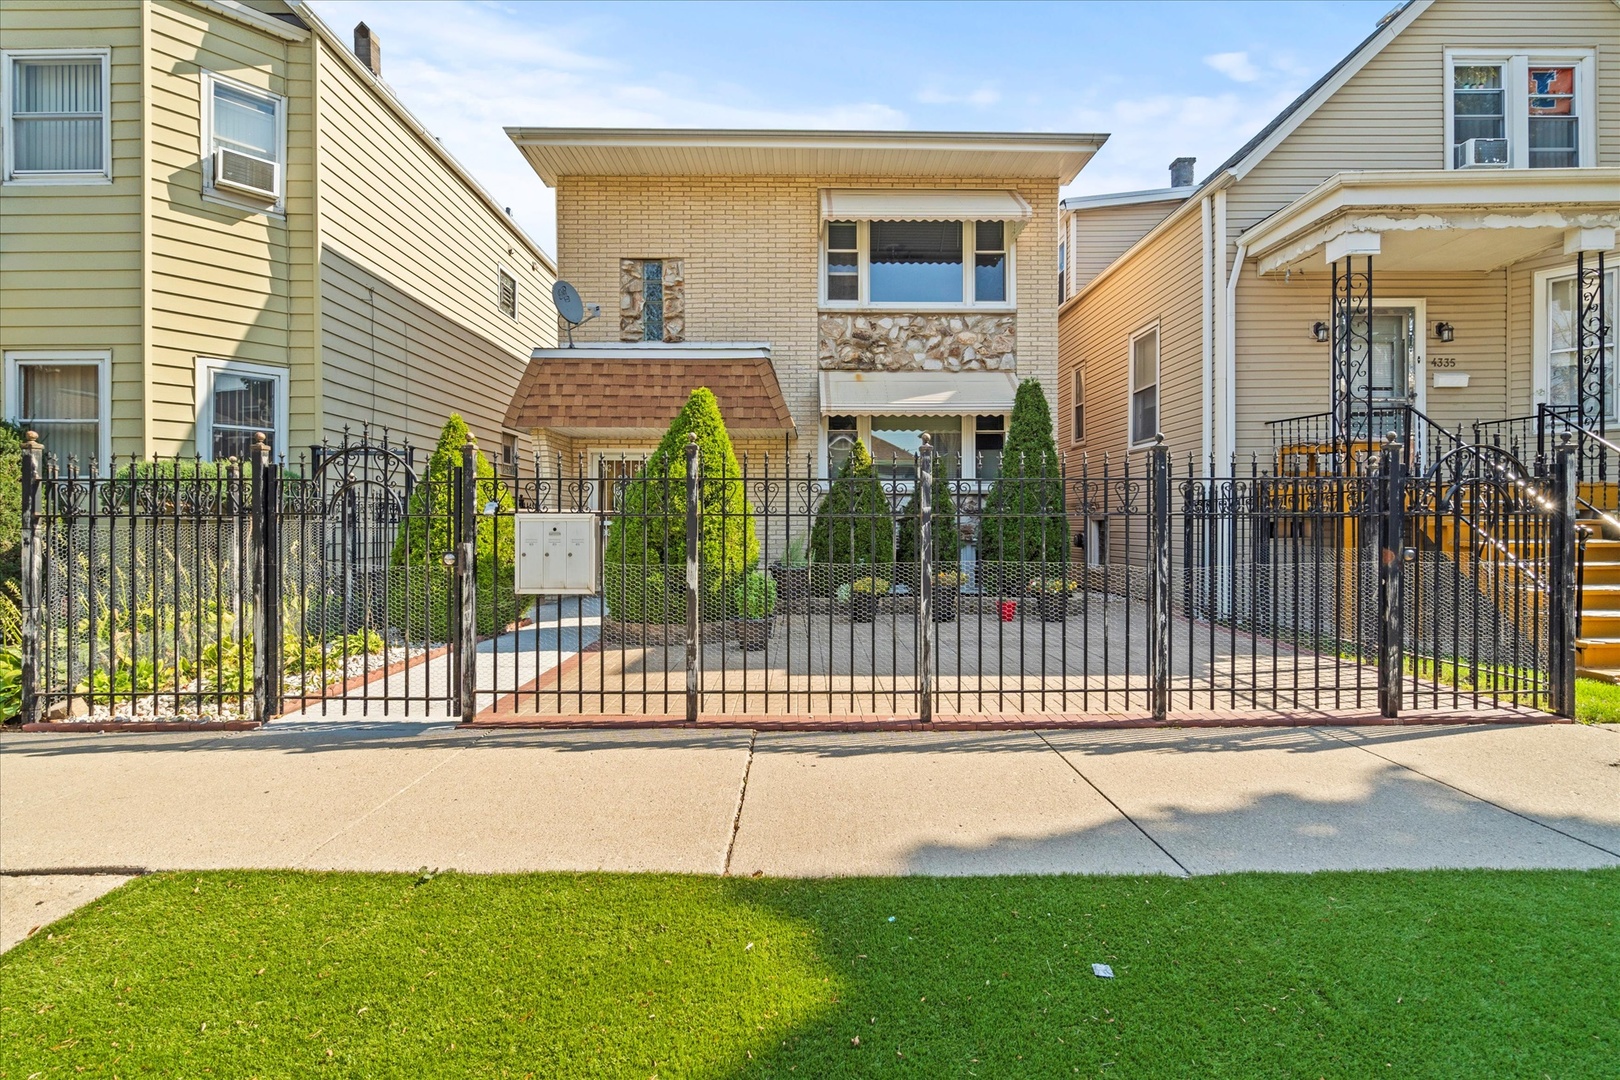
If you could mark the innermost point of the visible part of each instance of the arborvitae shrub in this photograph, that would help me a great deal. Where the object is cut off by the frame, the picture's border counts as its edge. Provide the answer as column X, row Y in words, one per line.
column 947, row 538
column 422, row 588
column 1024, row 524
column 853, row 527
column 644, row 566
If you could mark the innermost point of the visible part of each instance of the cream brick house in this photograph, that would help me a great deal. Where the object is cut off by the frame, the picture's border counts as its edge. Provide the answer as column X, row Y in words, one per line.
column 1450, row 175
column 217, row 219
column 839, row 284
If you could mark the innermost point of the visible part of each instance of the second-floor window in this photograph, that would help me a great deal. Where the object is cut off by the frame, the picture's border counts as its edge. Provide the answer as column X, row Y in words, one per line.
column 911, row 263
column 245, row 142
column 1520, row 111
column 56, row 117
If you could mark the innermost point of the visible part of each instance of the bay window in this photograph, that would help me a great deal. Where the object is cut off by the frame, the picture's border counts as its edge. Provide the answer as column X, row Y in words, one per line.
column 917, row 264
column 56, row 124
column 1520, row 111
column 63, row 397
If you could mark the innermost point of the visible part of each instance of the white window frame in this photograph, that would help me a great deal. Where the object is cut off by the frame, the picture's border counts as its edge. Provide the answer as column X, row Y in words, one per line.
column 1540, row 345
column 499, row 271
column 863, row 431
column 969, row 250
column 1516, row 98
column 8, row 58
column 102, row 359
column 1130, row 385
column 225, row 196
column 207, row 368
column 1077, row 400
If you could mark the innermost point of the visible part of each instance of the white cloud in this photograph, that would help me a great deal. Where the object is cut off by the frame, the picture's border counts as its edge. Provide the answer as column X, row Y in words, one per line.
column 1234, row 65
column 984, row 96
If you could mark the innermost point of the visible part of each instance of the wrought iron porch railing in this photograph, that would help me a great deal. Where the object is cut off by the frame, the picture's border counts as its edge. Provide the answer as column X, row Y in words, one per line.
column 1315, row 444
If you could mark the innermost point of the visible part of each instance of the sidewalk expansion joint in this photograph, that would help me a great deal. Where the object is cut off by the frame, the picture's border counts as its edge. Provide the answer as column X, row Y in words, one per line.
column 1478, row 797
column 77, row 871
column 742, row 795
column 1120, row 810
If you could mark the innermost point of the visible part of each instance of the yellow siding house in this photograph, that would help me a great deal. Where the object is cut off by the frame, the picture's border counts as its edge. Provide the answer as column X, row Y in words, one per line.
column 216, row 219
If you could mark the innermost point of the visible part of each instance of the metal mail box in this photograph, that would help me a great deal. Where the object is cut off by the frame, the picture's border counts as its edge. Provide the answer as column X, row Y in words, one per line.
column 556, row 553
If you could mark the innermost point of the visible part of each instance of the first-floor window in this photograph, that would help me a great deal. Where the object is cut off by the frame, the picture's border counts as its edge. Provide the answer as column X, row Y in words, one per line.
column 238, row 401
column 63, row 397
column 1144, row 386
column 964, row 446
column 989, row 439
column 1097, row 542
column 1564, row 343
column 842, row 431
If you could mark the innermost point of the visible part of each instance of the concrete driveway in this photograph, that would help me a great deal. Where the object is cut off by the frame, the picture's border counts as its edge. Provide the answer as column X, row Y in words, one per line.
column 399, row 796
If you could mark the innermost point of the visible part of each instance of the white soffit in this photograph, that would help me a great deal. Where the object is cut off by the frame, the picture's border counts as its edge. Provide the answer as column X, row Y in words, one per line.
column 916, row 393
column 849, row 204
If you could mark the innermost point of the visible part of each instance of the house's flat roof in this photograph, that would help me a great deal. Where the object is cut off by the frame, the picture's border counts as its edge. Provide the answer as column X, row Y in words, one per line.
column 1127, row 198
column 557, row 152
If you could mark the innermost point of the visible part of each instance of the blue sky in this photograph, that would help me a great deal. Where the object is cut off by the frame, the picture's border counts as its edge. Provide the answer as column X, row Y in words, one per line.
column 1163, row 79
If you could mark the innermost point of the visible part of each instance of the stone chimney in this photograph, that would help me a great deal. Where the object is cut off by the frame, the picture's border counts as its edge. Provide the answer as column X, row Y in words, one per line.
column 1181, row 169
column 367, row 49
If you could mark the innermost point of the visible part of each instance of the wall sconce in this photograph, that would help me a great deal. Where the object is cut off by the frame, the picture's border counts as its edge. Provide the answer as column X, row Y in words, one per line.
column 1444, row 331
column 1319, row 331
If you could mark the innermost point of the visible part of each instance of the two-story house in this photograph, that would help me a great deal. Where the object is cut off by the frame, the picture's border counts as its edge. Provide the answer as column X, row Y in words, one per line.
column 826, row 285
column 1404, row 238
column 216, row 219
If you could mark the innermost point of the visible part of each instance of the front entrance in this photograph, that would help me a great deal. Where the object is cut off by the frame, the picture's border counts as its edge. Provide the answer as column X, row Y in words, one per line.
column 1395, row 367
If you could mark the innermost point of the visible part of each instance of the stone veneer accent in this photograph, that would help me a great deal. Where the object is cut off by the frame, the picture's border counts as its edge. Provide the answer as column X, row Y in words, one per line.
column 630, row 299
column 870, row 341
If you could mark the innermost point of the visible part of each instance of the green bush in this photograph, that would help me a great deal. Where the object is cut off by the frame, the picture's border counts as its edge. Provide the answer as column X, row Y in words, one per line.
column 10, row 503
column 853, row 525
column 1024, row 523
column 646, row 544
column 947, row 552
column 755, row 596
column 10, row 681
column 423, row 586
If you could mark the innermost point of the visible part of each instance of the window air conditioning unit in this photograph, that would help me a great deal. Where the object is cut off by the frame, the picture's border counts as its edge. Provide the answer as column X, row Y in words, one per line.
column 1482, row 154
column 250, row 175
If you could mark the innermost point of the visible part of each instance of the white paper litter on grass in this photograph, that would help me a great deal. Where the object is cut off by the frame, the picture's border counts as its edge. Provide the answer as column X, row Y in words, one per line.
column 1102, row 971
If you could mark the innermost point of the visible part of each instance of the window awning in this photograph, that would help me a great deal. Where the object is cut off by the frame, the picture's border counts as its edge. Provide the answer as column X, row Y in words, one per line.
column 916, row 393
column 848, row 204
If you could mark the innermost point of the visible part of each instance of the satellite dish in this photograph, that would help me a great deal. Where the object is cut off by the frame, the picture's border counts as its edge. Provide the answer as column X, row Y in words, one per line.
column 569, row 305
column 573, row 310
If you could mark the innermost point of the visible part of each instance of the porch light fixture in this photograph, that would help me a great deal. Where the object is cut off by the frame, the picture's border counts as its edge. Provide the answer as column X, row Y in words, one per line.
column 1444, row 331
column 1319, row 330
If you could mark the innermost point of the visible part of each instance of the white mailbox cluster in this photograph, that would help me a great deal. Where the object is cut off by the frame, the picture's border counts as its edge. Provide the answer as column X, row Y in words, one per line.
column 556, row 553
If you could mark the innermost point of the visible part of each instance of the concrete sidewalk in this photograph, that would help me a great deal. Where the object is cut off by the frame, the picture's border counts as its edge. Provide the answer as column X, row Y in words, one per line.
column 393, row 796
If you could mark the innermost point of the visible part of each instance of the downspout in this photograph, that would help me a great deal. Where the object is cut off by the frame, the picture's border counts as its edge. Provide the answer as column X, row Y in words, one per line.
column 1229, row 353
column 1221, row 440
column 1207, row 317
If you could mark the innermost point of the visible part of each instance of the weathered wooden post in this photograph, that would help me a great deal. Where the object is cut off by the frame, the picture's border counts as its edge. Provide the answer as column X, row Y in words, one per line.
column 1159, row 581
column 1391, row 578
column 33, row 470
column 467, row 571
column 1561, row 597
column 926, row 628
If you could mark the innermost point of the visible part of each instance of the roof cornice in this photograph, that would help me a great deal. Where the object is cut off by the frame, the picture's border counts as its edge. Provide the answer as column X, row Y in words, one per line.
column 237, row 11
column 1129, row 198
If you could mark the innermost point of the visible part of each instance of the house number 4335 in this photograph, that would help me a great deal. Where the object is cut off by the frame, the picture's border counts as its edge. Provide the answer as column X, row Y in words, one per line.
column 1443, row 361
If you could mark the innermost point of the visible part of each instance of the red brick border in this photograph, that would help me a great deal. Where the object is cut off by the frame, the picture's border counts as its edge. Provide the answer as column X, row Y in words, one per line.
column 150, row 726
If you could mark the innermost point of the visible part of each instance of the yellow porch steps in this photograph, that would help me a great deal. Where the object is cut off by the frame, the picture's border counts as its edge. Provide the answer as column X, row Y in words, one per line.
column 1597, row 650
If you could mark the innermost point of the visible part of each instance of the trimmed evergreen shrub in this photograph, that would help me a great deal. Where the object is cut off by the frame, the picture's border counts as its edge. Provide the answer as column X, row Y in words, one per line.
column 1024, row 521
column 10, row 503
column 422, row 586
column 644, row 566
column 853, row 526
column 947, row 538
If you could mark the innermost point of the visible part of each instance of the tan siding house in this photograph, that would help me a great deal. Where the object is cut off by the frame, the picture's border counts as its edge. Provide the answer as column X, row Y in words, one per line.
column 272, row 243
column 1470, row 149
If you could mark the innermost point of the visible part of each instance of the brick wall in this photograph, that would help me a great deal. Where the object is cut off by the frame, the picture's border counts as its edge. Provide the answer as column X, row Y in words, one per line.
column 751, row 246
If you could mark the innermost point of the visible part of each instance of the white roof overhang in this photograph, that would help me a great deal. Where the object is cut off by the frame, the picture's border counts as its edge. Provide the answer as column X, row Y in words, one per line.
column 1437, row 220
column 845, row 204
column 931, row 155
column 917, row 393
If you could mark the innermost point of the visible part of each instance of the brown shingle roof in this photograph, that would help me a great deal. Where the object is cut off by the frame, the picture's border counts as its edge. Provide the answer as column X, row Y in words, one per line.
column 645, row 393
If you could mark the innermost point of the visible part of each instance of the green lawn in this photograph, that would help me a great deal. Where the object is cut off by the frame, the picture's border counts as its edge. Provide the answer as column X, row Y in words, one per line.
column 1465, row 974
column 1597, row 702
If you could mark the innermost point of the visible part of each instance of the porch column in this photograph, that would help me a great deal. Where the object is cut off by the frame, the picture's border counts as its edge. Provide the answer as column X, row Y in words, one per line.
column 1351, row 257
column 1591, row 341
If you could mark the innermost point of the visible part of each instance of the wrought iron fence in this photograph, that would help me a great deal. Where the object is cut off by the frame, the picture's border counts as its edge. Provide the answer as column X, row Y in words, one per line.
column 765, row 588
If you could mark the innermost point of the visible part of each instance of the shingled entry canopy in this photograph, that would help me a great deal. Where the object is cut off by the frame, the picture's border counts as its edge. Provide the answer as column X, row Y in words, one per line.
column 631, row 390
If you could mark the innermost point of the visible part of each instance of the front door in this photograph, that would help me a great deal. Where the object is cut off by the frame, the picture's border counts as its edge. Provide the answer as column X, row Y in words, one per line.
column 1393, row 367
